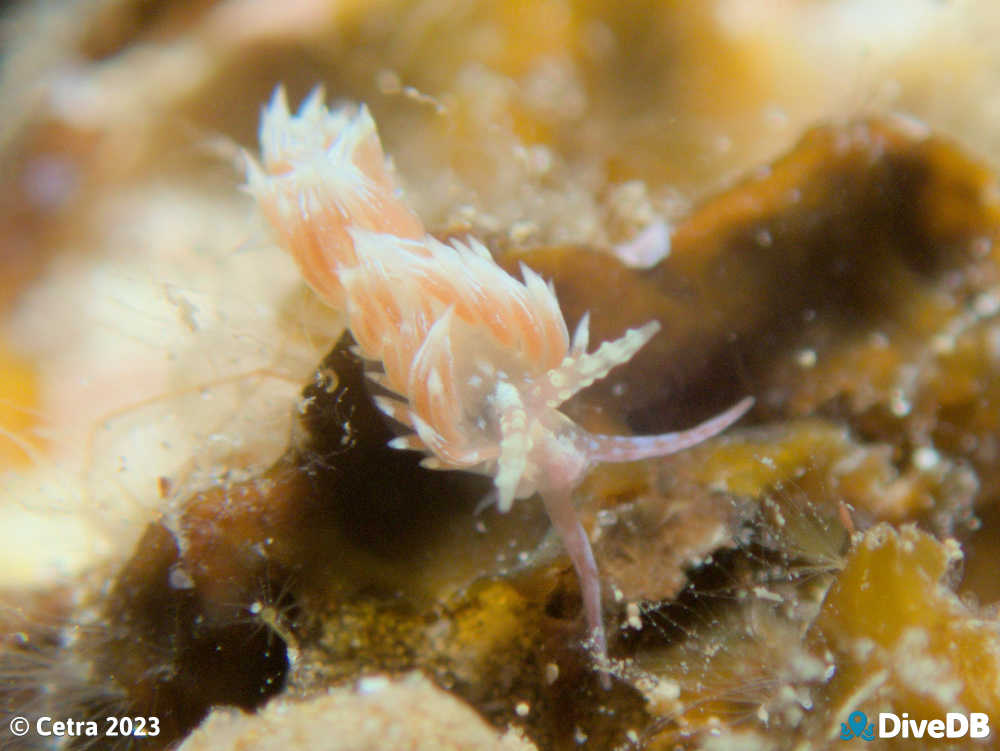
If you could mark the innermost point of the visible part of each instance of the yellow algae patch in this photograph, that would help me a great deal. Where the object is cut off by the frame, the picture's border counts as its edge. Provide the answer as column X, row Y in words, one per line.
column 901, row 639
column 825, row 462
column 494, row 616
column 18, row 409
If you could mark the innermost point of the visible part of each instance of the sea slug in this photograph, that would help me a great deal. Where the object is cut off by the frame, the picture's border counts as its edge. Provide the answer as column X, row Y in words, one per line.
column 478, row 362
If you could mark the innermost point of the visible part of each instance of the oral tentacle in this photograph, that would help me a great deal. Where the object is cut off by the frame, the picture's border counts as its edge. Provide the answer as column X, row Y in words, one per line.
column 614, row 448
column 559, row 505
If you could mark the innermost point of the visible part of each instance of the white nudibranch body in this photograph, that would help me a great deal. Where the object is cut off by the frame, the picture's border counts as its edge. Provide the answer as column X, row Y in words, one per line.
column 478, row 362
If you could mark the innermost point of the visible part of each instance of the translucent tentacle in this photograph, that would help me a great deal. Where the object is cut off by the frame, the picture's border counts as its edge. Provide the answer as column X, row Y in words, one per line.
column 559, row 505
column 614, row 448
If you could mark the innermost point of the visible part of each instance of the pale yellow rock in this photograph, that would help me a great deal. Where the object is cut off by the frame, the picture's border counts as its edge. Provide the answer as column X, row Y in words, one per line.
column 378, row 712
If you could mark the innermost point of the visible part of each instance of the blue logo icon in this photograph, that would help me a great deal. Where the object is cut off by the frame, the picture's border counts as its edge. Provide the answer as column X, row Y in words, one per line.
column 857, row 727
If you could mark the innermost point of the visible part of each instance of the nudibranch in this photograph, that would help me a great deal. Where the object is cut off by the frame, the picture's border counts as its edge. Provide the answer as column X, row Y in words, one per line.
column 478, row 362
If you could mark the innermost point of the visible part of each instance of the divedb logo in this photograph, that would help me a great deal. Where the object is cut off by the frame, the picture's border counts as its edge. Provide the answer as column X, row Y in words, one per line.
column 890, row 725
